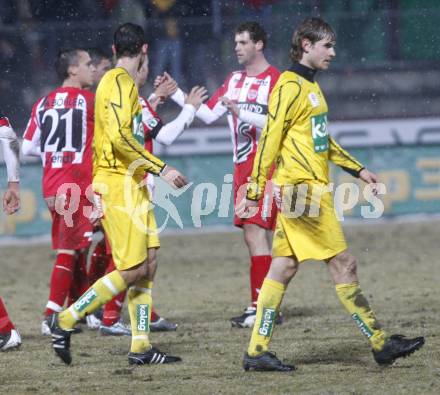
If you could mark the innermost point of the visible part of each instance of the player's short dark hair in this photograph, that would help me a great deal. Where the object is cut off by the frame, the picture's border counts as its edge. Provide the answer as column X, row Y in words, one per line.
column 66, row 58
column 128, row 40
column 314, row 29
column 97, row 55
column 255, row 30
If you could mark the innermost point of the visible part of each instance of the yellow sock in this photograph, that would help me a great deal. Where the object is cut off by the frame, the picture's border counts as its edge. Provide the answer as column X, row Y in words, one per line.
column 98, row 294
column 139, row 307
column 357, row 305
column 269, row 301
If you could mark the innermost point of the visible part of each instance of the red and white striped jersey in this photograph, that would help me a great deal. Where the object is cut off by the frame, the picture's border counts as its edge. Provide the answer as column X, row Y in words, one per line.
column 250, row 94
column 61, row 124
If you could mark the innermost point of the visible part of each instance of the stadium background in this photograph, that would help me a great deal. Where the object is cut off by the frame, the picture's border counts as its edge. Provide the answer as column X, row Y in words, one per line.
column 382, row 89
column 383, row 93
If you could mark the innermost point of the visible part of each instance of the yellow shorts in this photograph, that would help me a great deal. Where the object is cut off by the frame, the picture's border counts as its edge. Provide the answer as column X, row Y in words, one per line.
column 128, row 219
column 307, row 227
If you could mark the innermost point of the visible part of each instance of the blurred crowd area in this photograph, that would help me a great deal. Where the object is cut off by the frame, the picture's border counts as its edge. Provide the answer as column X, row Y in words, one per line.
column 193, row 40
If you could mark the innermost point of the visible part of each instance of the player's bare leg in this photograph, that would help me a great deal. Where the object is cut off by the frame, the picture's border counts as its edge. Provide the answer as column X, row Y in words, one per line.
column 386, row 349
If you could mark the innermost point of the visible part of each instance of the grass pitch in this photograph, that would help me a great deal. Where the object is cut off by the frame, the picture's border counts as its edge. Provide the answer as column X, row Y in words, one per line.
column 202, row 282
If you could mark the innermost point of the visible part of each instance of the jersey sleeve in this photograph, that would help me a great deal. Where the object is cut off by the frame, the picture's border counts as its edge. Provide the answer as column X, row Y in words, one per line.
column 258, row 120
column 343, row 159
column 172, row 130
column 123, row 96
column 215, row 98
column 281, row 101
column 9, row 142
column 32, row 127
column 209, row 112
column 31, row 138
column 214, row 108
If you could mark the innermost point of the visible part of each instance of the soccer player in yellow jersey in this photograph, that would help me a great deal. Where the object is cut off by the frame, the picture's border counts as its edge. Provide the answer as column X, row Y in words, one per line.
column 297, row 140
column 119, row 166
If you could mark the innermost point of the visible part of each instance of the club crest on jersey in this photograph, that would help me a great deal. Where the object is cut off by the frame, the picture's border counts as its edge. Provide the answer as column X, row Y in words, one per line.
column 235, row 94
column 252, row 94
column 152, row 123
column 313, row 98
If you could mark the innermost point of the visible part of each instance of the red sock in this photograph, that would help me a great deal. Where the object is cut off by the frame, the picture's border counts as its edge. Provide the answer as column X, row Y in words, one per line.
column 98, row 263
column 259, row 267
column 60, row 282
column 110, row 265
column 112, row 310
column 6, row 324
column 80, row 283
column 154, row 315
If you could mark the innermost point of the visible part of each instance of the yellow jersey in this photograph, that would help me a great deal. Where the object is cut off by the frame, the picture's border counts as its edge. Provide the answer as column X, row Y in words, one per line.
column 296, row 137
column 119, row 136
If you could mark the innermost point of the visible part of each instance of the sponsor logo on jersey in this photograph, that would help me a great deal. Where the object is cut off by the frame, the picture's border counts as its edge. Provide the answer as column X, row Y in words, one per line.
column 142, row 313
column 62, row 157
column 313, row 98
column 266, row 323
column 253, row 107
column 262, row 82
column 138, row 131
column 362, row 326
column 319, row 132
column 85, row 300
column 252, row 94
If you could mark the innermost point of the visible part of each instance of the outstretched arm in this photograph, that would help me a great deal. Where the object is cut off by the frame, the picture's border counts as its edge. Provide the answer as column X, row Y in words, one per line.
column 31, row 145
column 258, row 120
column 204, row 113
column 172, row 130
column 9, row 142
column 209, row 112
column 11, row 149
column 343, row 159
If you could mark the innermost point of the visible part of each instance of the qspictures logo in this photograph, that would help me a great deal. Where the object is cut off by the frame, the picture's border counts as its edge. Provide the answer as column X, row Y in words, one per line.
column 266, row 323
column 142, row 313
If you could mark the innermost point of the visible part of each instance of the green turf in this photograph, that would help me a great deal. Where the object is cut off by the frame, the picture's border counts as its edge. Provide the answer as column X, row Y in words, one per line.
column 202, row 282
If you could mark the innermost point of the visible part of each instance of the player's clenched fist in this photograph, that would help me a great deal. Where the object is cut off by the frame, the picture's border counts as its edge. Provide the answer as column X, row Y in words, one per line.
column 11, row 198
column 173, row 177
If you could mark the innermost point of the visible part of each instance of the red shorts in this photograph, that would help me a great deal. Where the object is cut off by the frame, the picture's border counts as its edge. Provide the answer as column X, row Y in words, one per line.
column 267, row 209
column 71, row 229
